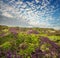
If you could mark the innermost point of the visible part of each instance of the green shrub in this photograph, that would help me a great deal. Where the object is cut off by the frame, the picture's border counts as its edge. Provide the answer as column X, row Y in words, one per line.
column 5, row 46
column 31, row 42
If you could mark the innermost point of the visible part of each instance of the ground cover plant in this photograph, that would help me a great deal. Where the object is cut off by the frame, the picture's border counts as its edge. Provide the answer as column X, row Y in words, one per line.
column 18, row 42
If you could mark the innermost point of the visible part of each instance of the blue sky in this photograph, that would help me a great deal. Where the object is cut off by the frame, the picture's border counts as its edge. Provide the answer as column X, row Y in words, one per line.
column 30, row 13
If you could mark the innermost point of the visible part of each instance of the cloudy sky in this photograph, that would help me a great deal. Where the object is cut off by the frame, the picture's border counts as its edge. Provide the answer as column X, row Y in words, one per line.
column 30, row 13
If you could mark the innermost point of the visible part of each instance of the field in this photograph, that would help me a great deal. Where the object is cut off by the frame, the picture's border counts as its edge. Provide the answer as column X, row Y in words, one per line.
column 18, row 42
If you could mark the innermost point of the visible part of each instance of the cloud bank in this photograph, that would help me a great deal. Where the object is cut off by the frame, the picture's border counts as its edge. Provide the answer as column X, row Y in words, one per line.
column 36, row 13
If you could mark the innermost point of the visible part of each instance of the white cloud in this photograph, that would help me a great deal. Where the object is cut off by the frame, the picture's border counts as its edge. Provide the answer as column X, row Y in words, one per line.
column 56, row 27
column 37, row 1
column 7, row 14
column 33, row 22
column 27, row 12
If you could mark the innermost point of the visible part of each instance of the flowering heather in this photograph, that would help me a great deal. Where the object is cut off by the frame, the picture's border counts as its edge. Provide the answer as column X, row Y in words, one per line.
column 54, row 48
column 37, row 54
column 13, row 30
column 9, row 55
column 45, row 39
column 25, row 44
column 32, row 32
column 3, row 34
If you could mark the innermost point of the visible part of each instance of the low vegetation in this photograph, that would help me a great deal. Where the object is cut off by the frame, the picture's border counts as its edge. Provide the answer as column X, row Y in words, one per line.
column 18, row 42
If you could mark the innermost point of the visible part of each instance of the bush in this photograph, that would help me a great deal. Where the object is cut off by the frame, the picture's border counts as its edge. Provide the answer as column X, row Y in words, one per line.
column 5, row 46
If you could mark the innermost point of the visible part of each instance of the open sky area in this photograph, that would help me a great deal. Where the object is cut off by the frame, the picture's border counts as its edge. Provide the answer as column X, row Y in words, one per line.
column 30, row 13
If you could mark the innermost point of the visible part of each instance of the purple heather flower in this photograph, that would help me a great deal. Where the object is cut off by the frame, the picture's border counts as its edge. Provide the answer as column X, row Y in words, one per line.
column 2, row 35
column 46, row 40
column 8, row 54
column 13, row 30
column 33, row 56
column 32, row 32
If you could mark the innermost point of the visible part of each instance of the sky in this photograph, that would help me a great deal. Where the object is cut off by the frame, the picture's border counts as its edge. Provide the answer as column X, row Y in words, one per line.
column 30, row 13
